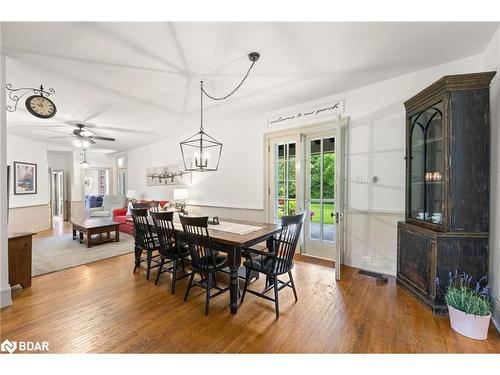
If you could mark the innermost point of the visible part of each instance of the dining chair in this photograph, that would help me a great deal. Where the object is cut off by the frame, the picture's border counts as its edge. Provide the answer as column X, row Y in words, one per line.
column 276, row 261
column 172, row 249
column 204, row 258
column 145, row 241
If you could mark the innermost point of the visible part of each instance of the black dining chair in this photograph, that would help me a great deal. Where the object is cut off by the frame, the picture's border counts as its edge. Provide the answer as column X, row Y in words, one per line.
column 145, row 241
column 204, row 258
column 276, row 261
column 173, row 251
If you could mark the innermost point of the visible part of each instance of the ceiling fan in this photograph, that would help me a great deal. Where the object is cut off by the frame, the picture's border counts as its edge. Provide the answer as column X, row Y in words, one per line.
column 83, row 138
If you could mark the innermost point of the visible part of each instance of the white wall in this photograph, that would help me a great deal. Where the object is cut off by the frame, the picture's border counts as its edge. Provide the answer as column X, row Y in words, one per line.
column 376, row 148
column 27, row 150
column 491, row 61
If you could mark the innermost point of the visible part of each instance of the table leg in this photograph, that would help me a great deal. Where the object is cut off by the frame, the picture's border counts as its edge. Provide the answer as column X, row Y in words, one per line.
column 74, row 233
column 89, row 238
column 117, row 233
column 81, row 236
column 234, row 262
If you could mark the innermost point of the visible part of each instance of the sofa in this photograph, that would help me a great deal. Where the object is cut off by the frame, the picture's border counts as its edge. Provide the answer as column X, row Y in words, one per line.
column 109, row 203
column 126, row 224
column 92, row 201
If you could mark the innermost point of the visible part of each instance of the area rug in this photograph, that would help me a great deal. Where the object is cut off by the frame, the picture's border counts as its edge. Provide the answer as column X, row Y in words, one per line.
column 56, row 253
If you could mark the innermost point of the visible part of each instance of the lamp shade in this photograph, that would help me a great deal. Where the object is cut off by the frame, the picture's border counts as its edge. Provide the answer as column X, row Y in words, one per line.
column 180, row 194
column 132, row 194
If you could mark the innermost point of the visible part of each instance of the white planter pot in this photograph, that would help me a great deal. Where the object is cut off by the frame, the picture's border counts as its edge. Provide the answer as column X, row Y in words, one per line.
column 473, row 326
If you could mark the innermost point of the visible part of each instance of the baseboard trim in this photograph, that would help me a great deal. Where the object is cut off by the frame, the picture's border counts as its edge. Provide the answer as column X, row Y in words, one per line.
column 5, row 297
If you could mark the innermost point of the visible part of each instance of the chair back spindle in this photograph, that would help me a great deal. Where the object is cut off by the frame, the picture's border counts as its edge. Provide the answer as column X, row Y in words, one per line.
column 198, row 239
column 287, row 241
column 142, row 229
column 167, row 236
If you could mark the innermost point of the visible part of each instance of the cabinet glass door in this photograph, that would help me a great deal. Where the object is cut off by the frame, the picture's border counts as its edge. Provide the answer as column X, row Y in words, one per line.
column 427, row 165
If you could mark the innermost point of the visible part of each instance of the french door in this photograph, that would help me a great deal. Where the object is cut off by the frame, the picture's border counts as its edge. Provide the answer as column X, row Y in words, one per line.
column 305, row 173
column 284, row 191
column 320, row 202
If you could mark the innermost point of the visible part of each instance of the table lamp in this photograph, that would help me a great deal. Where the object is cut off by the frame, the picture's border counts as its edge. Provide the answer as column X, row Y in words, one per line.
column 179, row 197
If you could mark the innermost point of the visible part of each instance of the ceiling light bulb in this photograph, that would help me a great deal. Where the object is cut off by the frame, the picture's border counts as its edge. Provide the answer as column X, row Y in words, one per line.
column 77, row 143
column 85, row 144
column 84, row 164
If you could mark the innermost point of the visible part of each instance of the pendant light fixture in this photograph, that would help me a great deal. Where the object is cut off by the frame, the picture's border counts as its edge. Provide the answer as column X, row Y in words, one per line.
column 201, row 152
column 84, row 163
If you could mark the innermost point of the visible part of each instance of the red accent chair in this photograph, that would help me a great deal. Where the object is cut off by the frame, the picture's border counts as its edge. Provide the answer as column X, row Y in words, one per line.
column 126, row 224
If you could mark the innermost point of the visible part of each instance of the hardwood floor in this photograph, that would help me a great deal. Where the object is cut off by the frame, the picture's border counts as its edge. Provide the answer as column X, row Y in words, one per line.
column 104, row 307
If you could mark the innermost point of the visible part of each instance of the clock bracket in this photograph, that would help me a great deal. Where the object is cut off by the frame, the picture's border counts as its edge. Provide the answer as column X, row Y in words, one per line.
column 15, row 94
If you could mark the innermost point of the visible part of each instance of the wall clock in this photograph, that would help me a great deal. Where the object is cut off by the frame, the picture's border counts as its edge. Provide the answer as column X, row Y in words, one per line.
column 40, row 106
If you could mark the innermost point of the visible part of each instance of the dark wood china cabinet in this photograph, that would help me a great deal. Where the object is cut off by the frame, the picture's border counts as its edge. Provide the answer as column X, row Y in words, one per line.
column 447, row 185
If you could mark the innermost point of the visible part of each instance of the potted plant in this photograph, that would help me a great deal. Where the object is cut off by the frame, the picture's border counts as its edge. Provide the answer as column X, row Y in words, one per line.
column 469, row 307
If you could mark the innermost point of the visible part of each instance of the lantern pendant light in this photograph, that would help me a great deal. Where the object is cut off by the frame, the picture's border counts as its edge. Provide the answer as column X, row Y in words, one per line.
column 201, row 152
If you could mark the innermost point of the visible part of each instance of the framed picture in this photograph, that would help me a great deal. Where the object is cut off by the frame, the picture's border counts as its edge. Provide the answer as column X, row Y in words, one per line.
column 25, row 178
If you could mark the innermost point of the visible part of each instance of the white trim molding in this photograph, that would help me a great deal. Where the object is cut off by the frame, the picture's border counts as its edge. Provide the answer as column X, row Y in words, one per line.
column 495, row 315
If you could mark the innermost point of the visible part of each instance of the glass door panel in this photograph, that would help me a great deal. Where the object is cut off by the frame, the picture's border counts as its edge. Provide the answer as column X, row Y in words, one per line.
column 284, row 186
column 427, row 165
column 320, row 197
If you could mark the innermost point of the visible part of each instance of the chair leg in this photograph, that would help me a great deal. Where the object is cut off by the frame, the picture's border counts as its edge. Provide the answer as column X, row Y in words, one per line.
column 189, row 286
column 162, row 262
column 209, row 284
column 247, row 279
column 138, row 254
column 276, row 299
column 174, row 276
column 150, row 257
column 183, row 266
column 293, row 285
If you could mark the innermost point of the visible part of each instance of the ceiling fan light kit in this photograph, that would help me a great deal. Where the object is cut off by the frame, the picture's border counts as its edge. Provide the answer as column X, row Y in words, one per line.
column 201, row 152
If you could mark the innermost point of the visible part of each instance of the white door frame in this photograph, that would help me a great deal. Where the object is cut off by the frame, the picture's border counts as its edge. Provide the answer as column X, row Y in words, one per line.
column 340, row 170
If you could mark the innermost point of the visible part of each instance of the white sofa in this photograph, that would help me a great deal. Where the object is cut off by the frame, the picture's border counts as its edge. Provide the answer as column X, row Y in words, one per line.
column 109, row 203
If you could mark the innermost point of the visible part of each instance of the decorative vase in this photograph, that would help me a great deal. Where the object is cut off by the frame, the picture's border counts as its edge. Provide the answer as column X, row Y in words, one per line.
column 473, row 326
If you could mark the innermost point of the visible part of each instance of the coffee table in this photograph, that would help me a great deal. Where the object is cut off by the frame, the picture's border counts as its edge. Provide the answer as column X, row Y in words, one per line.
column 91, row 227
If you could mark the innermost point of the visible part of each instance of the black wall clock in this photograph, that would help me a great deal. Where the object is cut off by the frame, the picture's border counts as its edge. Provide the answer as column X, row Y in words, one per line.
column 40, row 106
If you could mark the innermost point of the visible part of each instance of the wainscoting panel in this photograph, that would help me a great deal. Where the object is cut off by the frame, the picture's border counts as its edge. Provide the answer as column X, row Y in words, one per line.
column 371, row 240
column 29, row 219
column 249, row 214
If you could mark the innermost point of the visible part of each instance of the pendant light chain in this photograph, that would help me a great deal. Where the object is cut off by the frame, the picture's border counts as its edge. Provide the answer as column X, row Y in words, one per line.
column 201, row 105
column 234, row 90
column 202, row 144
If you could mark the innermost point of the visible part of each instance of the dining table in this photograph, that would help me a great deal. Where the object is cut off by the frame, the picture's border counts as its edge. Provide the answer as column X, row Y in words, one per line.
column 233, row 242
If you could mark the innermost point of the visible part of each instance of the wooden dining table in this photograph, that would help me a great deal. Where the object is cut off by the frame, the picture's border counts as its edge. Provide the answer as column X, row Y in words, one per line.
column 233, row 244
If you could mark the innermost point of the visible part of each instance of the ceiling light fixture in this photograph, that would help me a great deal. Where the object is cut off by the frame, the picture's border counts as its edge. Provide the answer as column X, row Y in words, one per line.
column 195, row 149
column 84, row 163
column 81, row 142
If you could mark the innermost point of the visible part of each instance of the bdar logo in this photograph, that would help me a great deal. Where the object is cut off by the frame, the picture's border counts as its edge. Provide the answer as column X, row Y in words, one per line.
column 8, row 346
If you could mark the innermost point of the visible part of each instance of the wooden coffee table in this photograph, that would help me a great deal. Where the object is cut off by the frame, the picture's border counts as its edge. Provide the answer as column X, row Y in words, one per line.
column 90, row 227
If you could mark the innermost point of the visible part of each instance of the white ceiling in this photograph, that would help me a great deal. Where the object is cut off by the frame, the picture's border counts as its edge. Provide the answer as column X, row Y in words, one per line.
column 139, row 82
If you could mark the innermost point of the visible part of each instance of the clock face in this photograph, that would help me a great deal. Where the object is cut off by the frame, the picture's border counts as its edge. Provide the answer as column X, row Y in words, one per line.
column 40, row 106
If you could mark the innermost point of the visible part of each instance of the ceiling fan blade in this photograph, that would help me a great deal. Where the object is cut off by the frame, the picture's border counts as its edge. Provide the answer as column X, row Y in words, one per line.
column 62, row 136
column 57, row 131
column 92, row 142
column 101, row 138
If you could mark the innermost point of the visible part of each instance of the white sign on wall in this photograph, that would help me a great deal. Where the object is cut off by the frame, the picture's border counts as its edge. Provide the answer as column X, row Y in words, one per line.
column 313, row 113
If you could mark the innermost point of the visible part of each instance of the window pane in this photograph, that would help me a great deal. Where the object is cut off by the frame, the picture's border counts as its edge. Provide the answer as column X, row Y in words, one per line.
column 329, row 221
column 292, row 207
column 281, row 152
column 315, row 176
column 329, row 175
column 315, row 222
